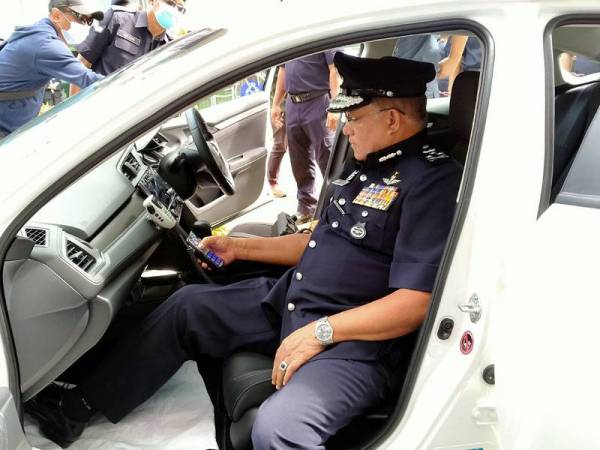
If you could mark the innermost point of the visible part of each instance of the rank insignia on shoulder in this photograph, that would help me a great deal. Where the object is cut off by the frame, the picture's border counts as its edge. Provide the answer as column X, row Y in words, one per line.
column 432, row 155
column 393, row 179
column 377, row 196
column 350, row 177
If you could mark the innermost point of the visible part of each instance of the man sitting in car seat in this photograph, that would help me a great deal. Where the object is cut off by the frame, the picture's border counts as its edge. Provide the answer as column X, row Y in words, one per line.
column 336, row 319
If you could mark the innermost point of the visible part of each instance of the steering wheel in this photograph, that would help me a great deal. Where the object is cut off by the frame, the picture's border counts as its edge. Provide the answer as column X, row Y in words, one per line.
column 209, row 152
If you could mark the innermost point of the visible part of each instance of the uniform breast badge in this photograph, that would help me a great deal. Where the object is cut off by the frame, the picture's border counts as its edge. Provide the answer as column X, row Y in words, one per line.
column 377, row 196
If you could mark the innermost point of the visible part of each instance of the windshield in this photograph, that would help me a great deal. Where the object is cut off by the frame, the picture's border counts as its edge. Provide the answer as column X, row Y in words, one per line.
column 169, row 52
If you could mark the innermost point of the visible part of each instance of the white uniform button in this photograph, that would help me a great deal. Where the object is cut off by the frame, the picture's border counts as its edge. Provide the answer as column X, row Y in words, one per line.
column 298, row 276
column 312, row 244
column 291, row 307
column 335, row 224
column 363, row 177
column 364, row 213
column 342, row 201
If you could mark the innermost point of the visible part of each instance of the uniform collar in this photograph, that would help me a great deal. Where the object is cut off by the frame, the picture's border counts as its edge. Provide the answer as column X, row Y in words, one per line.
column 394, row 151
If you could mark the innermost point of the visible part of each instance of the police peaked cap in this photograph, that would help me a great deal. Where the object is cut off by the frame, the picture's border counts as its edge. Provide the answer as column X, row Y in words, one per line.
column 83, row 7
column 367, row 78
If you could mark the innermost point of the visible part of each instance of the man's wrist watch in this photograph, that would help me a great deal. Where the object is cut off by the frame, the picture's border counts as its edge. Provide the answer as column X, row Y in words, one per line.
column 324, row 331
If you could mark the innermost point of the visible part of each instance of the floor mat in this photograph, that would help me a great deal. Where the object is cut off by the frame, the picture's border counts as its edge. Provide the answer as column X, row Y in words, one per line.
column 179, row 416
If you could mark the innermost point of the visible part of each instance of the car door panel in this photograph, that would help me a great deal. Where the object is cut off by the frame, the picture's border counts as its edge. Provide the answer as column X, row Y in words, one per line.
column 239, row 127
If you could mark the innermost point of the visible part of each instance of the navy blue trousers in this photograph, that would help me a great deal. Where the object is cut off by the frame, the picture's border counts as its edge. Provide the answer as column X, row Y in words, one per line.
column 198, row 320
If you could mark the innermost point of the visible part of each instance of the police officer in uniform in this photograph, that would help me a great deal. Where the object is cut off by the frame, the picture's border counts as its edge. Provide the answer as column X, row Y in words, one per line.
column 336, row 320
column 125, row 35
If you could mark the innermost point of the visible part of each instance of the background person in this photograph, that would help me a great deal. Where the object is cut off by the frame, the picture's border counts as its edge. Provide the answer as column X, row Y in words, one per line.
column 279, row 143
column 125, row 35
column 35, row 54
column 310, row 82
column 337, row 320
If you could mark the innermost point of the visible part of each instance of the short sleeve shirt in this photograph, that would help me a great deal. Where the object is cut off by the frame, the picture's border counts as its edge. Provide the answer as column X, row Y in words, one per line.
column 121, row 37
column 309, row 73
column 384, row 228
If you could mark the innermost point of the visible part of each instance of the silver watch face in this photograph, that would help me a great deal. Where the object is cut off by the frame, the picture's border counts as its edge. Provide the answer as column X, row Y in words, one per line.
column 324, row 332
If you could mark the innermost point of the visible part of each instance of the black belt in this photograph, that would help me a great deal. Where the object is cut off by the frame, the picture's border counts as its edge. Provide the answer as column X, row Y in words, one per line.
column 6, row 96
column 306, row 96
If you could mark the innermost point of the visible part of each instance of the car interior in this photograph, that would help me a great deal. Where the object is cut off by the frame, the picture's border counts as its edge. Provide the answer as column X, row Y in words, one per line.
column 81, row 272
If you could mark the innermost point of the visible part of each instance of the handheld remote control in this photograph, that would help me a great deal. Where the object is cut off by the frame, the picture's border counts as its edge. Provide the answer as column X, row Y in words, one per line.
column 207, row 256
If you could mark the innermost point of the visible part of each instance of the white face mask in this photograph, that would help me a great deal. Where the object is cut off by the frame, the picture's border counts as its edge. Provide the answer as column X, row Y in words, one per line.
column 76, row 33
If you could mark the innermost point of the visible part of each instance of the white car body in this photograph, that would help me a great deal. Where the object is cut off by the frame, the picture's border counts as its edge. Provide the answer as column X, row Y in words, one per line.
column 531, row 267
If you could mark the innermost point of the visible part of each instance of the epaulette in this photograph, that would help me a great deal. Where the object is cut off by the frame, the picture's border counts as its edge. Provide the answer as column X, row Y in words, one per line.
column 433, row 156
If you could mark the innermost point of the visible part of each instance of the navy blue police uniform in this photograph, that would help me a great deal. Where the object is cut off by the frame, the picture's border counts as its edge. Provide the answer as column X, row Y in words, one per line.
column 118, row 39
column 383, row 229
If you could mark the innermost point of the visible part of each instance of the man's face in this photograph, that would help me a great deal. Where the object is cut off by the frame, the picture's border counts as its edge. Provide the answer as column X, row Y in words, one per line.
column 366, row 129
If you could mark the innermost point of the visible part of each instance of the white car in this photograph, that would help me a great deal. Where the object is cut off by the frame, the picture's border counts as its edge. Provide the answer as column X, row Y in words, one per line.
column 506, row 357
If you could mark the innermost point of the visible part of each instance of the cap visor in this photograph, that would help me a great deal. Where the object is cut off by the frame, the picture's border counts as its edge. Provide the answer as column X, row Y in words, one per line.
column 343, row 103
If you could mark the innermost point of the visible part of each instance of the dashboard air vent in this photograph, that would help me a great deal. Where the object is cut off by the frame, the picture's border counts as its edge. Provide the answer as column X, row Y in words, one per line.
column 37, row 235
column 131, row 167
column 79, row 256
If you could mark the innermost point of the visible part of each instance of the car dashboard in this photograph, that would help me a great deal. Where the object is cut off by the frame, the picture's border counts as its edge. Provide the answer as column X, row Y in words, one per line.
column 73, row 265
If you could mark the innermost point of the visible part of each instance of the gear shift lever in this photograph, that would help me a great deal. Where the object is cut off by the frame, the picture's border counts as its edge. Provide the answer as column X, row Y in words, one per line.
column 201, row 229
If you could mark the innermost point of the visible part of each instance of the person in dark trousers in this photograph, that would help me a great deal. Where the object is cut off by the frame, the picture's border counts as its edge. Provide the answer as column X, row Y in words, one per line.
column 35, row 54
column 337, row 321
column 309, row 83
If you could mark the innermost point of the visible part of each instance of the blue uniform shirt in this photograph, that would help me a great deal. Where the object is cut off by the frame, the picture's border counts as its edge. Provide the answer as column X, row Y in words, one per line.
column 384, row 229
column 306, row 74
column 118, row 39
column 31, row 57
column 421, row 47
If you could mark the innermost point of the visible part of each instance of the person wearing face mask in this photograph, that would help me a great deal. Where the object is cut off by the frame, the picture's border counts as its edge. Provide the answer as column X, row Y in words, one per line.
column 35, row 54
column 124, row 35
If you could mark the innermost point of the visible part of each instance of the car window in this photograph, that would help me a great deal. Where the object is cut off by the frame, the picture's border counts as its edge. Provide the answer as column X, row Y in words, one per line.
column 576, row 160
column 243, row 88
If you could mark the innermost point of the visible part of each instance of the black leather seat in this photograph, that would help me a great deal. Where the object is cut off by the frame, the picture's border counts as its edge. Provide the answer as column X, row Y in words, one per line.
column 462, row 111
column 574, row 109
column 247, row 376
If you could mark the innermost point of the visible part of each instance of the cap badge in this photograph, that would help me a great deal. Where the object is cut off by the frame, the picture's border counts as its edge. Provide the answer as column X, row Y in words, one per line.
column 358, row 231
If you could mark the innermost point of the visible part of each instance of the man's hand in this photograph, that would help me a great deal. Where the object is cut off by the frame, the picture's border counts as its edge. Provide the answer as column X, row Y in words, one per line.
column 225, row 247
column 276, row 117
column 332, row 121
column 295, row 350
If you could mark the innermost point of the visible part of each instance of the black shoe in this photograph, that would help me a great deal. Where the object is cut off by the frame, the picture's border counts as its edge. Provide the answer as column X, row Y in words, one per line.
column 46, row 409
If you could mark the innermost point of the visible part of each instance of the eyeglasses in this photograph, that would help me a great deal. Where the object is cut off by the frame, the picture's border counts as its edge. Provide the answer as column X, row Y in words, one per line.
column 174, row 4
column 87, row 20
column 352, row 120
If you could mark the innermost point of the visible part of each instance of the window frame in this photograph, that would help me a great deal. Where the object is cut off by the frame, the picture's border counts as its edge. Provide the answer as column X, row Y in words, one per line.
column 549, row 68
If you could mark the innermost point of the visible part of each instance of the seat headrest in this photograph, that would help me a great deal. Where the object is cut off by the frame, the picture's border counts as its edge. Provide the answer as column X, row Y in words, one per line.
column 462, row 104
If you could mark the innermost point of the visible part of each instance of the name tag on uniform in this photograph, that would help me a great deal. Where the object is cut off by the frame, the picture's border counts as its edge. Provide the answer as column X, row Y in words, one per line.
column 377, row 196
column 129, row 37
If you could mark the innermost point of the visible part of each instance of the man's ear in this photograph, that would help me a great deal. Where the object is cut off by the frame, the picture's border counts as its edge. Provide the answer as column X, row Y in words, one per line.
column 395, row 120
